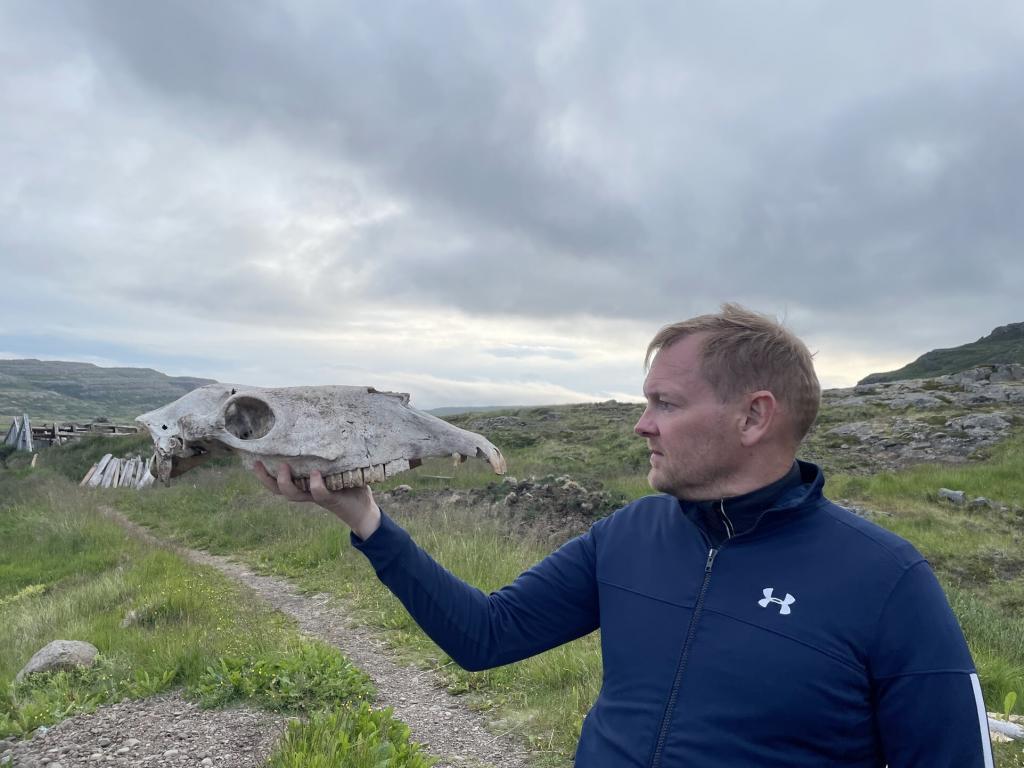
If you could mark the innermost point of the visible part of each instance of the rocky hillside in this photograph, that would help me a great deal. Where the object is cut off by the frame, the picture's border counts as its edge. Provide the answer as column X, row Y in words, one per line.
column 1004, row 345
column 48, row 389
column 862, row 429
column 951, row 418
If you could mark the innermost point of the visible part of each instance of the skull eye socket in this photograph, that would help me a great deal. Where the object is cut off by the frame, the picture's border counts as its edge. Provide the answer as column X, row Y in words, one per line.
column 248, row 418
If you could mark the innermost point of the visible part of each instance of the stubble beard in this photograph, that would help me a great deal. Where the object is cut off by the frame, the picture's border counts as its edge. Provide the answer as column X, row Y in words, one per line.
column 665, row 484
column 694, row 487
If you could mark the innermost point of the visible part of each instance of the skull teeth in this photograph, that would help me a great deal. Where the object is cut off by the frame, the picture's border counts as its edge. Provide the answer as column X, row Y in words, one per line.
column 356, row 478
column 334, row 482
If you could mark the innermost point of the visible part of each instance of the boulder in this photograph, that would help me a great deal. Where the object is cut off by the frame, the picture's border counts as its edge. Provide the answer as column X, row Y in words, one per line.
column 980, row 373
column 915, row 401
column 854, row 400
column 862, row 430
column 957, row 497
column 60, row 654
column 837, row 392
column 1007, row 372
column 988, row 422
column 865, row 389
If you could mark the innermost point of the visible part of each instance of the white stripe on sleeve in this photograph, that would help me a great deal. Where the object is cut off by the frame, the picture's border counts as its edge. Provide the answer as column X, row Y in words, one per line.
column 986, row 744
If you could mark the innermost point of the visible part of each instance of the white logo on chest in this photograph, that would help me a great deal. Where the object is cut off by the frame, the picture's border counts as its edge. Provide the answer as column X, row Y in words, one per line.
column 783, row 604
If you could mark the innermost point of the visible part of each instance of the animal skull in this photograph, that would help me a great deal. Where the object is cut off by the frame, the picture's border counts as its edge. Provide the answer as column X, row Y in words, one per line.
column 353, row 435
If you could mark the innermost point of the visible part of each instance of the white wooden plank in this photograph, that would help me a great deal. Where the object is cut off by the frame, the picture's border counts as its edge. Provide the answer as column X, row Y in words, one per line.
column 101, row 468
column 88, row 476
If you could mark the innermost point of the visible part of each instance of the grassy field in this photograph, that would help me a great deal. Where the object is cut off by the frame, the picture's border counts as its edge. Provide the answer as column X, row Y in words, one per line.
column 68, row 572
column 976, row 553
column 544, row 698
column 73, row 391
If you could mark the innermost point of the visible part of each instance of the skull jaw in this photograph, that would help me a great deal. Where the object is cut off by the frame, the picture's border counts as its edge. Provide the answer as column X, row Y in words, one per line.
column 335, row 478
column 200, row 453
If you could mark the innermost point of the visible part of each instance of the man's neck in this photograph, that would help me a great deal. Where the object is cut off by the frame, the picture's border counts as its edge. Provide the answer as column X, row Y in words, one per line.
column 724, row 517
column 752, row 479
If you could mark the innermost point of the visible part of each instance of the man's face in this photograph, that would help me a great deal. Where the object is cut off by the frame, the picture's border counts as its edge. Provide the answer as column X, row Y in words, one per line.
column 693, row 437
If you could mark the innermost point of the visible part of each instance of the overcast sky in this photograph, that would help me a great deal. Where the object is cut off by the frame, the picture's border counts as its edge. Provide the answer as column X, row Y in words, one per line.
column 500, row 203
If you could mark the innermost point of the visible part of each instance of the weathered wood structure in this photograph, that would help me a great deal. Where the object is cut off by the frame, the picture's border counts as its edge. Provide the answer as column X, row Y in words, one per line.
column 111, row 472
column 58, row 433
column 20, row 434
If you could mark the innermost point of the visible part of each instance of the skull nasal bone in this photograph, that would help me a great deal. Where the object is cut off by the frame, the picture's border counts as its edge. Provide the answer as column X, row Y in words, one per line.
column 248, row 418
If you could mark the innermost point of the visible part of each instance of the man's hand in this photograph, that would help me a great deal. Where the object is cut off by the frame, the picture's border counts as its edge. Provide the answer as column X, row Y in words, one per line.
column 353, row 506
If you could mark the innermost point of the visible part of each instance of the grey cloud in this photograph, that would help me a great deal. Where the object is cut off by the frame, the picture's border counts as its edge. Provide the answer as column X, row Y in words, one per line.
column 585, row 159
column 442, row 102
column 520, row 351
column 910, row 197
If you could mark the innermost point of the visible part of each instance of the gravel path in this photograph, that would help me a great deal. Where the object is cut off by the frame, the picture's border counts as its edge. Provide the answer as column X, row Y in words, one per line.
column 438, row 720
column 165, row 731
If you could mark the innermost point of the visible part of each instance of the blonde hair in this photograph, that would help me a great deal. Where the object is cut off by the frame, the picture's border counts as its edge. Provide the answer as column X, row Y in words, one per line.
column 745, row 351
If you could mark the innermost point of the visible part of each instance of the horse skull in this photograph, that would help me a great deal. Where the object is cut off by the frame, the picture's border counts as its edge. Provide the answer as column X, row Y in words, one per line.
column 353, row 435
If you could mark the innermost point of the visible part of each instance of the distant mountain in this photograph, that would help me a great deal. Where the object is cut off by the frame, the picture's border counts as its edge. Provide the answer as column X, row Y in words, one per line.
column 454, row 410
column 48, row 390
column 1004, row 345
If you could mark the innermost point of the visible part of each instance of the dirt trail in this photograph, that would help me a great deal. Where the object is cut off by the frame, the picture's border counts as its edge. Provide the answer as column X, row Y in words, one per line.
column 439, row 721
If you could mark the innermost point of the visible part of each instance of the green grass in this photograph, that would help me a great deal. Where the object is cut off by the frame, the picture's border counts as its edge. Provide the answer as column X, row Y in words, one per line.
column 76, row 458
column 977, row 555
column 1001, row 478
column 543, row 699
column 71, row 391
column 350, row 737
column 593, row 442
column 69, row 572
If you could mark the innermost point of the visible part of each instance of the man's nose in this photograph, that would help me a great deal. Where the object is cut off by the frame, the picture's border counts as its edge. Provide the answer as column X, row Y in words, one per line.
column 645, row 426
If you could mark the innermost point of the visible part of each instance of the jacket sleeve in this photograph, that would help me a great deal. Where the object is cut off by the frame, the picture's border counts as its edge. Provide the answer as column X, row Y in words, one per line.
column 928, row 700
column 550, row 604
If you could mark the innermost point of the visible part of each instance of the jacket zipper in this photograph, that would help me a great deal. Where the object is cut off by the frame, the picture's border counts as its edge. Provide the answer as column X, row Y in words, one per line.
column 729, row 530
column 691, row 631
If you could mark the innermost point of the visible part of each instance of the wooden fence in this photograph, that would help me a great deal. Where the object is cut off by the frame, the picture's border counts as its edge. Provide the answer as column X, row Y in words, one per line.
column 27, row 438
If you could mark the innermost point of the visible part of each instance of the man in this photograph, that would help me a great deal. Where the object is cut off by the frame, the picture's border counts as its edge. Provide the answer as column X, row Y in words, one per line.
column 745, row 619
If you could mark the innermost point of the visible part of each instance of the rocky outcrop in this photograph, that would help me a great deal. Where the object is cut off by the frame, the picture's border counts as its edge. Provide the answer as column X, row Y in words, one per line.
column 559, row 494
column 872, row 427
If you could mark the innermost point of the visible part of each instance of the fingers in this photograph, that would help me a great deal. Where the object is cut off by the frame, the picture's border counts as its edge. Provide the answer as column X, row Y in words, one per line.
column 282, row 485
column 286, row 487
column 328, row 498
column 353, row 506
column 317, row 489
column 265, row 479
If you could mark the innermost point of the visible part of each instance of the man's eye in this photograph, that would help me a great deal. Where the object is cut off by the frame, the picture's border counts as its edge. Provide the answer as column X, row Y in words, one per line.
column 662, row 405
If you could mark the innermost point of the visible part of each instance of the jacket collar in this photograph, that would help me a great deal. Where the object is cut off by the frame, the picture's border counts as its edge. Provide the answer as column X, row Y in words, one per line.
column 760, row 511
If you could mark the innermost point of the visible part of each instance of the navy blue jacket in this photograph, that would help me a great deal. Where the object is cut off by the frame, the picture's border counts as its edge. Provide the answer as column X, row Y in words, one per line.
column 815, row 638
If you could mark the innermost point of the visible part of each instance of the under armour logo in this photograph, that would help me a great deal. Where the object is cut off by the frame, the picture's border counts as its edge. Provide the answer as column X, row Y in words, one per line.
column 783, row 604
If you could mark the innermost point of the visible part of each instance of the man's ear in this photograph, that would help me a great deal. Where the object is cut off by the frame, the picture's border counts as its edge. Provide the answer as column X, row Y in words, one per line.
column 762, row 409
